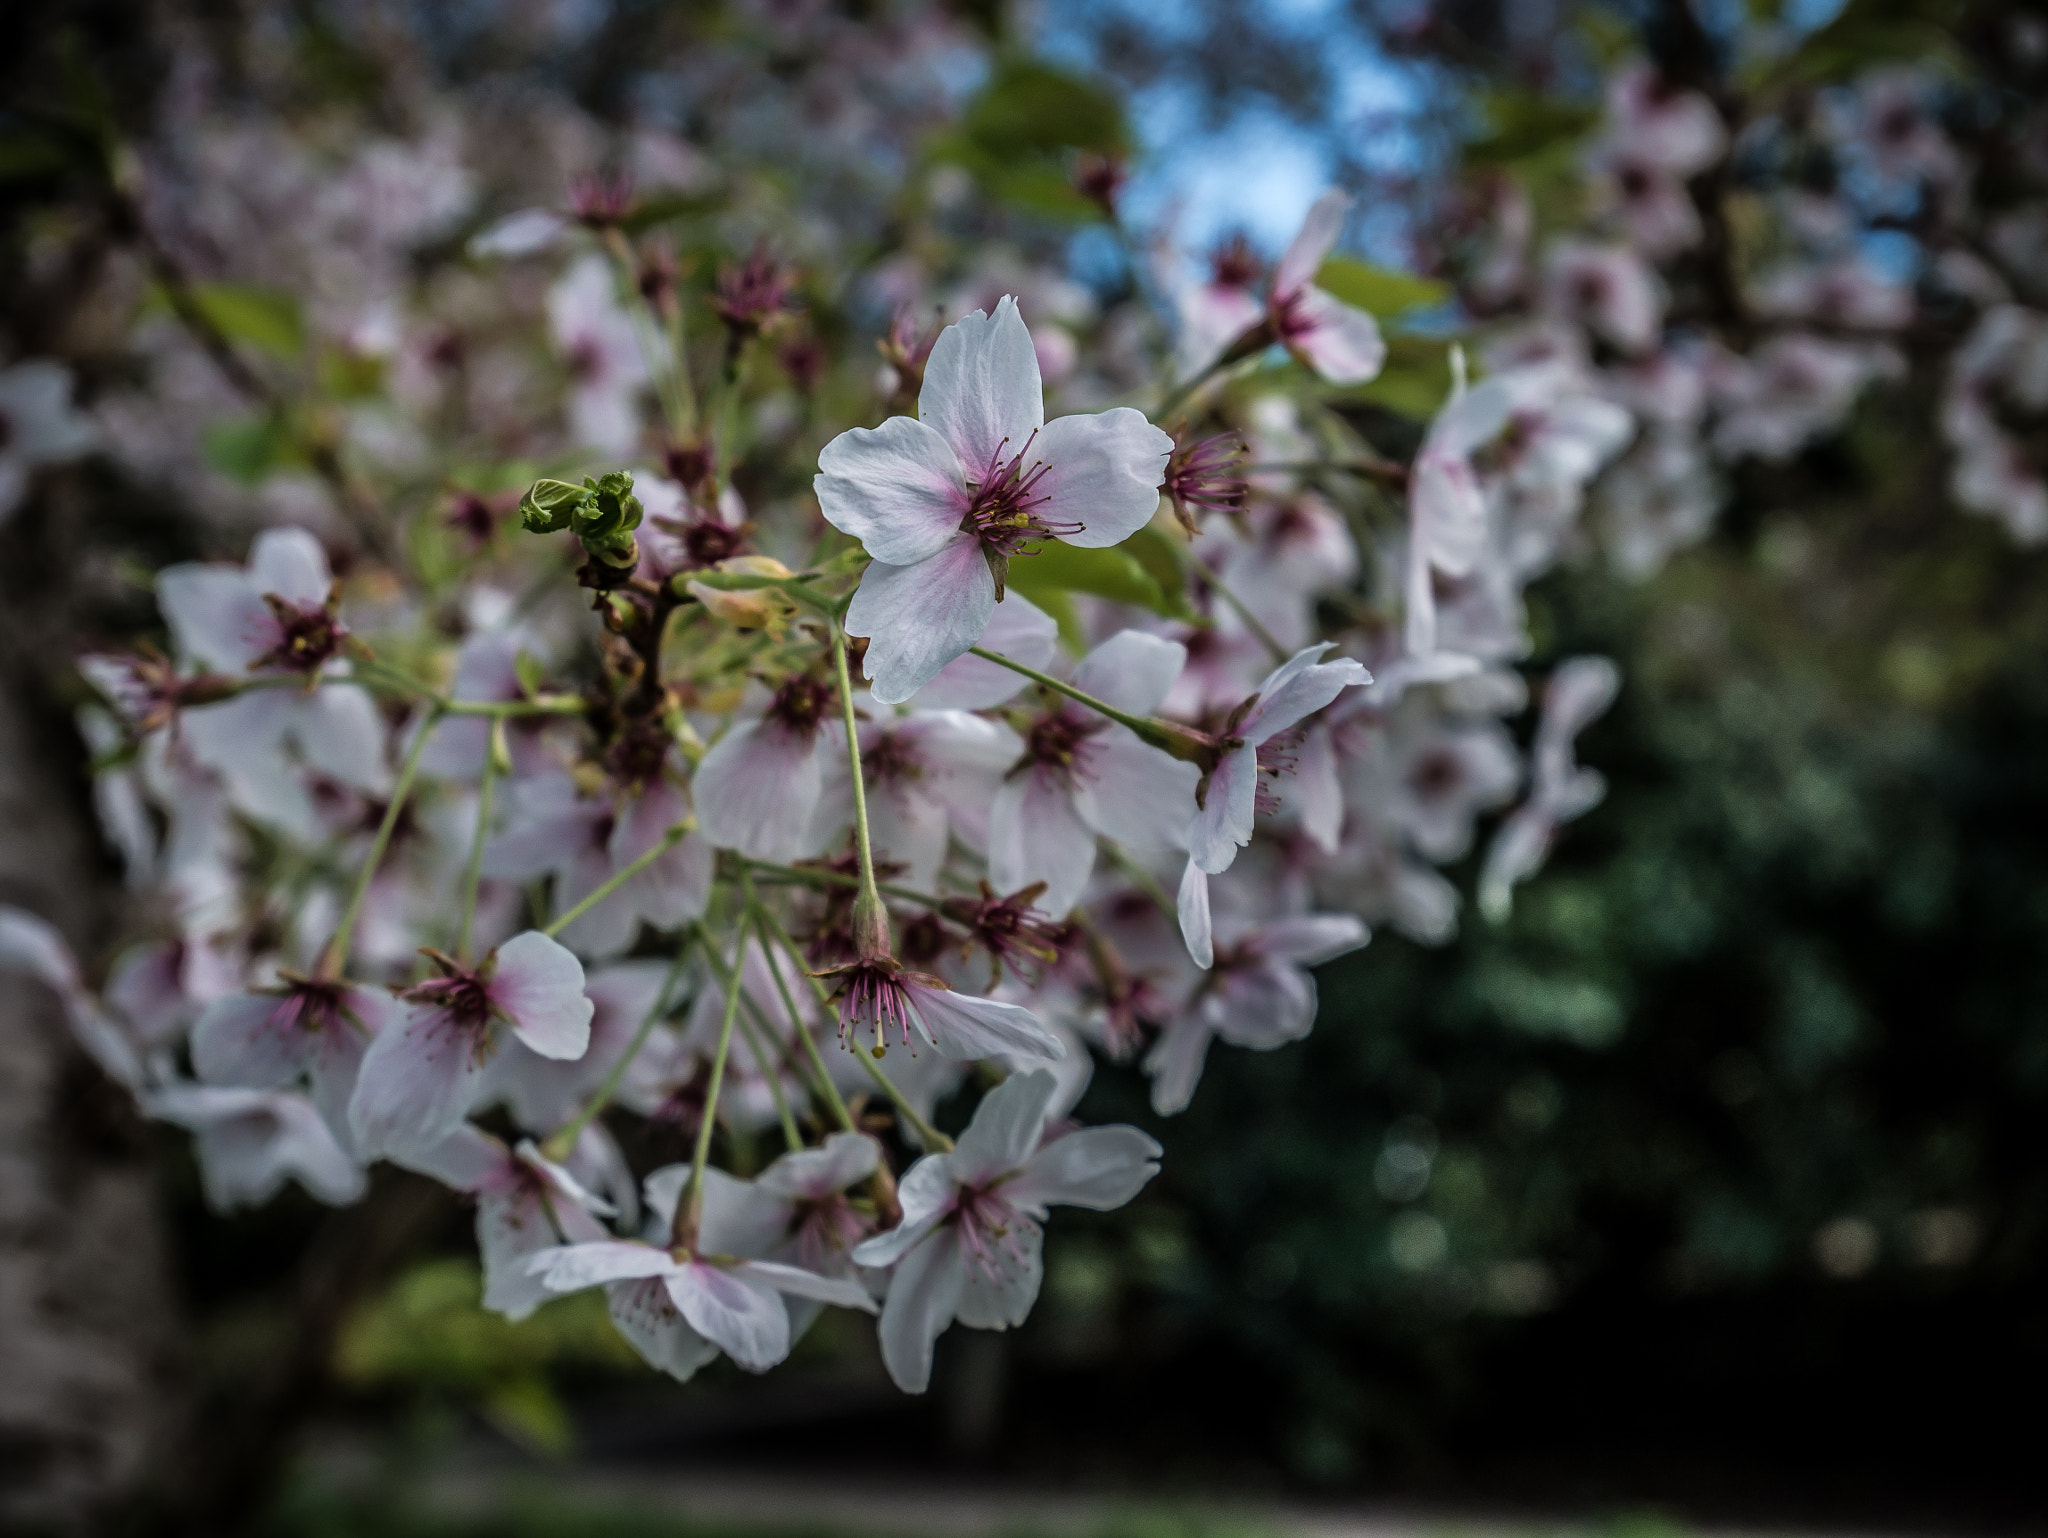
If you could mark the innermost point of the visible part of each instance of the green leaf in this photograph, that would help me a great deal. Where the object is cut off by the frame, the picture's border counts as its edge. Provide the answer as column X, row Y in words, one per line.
column 1113, row 573
column 1522, row 124
column 246, row 449
column 1160, row 554
column 1382, row 290
column 27, row 156
column 1416, row 380
column 261, row 317
column 1028, row 106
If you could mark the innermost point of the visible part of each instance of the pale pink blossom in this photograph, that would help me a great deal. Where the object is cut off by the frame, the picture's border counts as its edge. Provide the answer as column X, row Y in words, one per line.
column 945, row 500
column 969, row 1246
column 422, row 1071
column 1339, row 342
column 251, row 1141
column 1559, row 789
column 38, row 426
column 1609, row 290
column 305, row 1028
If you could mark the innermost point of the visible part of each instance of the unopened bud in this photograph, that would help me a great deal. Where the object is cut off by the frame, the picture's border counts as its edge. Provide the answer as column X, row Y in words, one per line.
column 761, row 608
column 500, row 750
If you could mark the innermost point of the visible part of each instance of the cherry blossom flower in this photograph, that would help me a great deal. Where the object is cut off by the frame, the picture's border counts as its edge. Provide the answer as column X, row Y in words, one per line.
column 1295, row 690
column 32, row 946
column 969, row 1244
column 276, row 616
column 251, row 1141
column 1257, row 994
column 1340, row 343
column 306, row 1027
column 757, row 789
column 1020, row 630
column 1215, row 313
column 38, row 426
column 525, row 1203
column 679, row 1308
column 1607, row 289
column 542, row 1093
column 420, row 1074
column 1674, row 129
column 1084, row 776
column 879, row 996
column 1559, row 789
column 943, row 501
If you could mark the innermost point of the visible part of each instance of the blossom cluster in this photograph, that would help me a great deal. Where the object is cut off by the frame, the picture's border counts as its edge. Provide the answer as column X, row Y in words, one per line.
column 629, row 706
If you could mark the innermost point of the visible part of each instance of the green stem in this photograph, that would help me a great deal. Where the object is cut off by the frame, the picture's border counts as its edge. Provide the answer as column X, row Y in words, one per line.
column 772, row 1072
column 563, row 1140
column 1180, row 394
column 691, row 1202
column 335, row 957
column 927, row 1134
column 1375, row 468
column 619, row 878
column 751, row 582
column 473, row 877
column 870, row 897
column 1164, row 735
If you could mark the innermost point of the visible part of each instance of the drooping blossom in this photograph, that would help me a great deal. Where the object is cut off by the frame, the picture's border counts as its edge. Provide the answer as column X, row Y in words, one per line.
column 1559, row 789
column 1084, row 777
column 310, row 1028
column 251, row 1141
column 1295, row 690
column 945, row 500
column 1257, row 994
column 419, row 1075
column 969, row 1244
column 276, row 618
column 681, row 1307
column 757, row 789
column 525, row 1203
column 882, row 1001
column 1341, row 343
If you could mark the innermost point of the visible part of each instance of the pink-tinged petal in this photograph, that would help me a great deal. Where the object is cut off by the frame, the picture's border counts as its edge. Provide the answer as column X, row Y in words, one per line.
column 417, row 1080
column 216, row 616
column 609, row 927
column 908, row 826
column 963, row 1025
column 1310, row 939
column 341, row 734
column 899, row 489
column 919, row 618
column 1224, row 822
column 1299, row 687
column 740, row 1217
column 572, row 1267
column 1318, row 235
column 1132, row 671
column 1017, row 629
column 1341, row 344
column 744, row 1318
column 1037, row 832
column 643, row 1312
column 924, row 1293
column 924, row 1193
column 1102, row 472
column 757, row 787
column 1418, row 601
column 240, row 1040
column 1195, row 927
column 512, row 1227
column 1262, row 1007
column 1317, row 793
column 251, row 1141
column 539, row 987
column 1143, row 798
column 841, row 1160
column 982, row 389
column 1175, row 1063
column 1098, row 1167
column 291, row 564
column 335, row 1060
column 465, row 1160
column 843, row 1291
column 548, row 825
column 1006, row 1128
column 999, row 1296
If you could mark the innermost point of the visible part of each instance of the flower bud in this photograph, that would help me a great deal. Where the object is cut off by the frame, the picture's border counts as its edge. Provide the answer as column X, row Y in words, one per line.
column 548, row 506
column 870, row 927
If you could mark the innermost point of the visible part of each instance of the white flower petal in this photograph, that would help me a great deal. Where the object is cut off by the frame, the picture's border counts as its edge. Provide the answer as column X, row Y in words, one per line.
column 239, row 1040
column 1224, row 821
column 572, row 1267
column 1341, row 344
column 1319, row 231
column 416, row 1083
column 963, row 1025
column 1017, row 629
column 1195, row 929
column 216, row 616
column 1102, row 472
column 1142, row 797
column 1099, row 1167
column 539, row 986
column 982, row 389
column 291, row 564
column 1006, row 1128
column 899, row 489
column 757, row 787
column 644, row 1313
column 923, row 1295
column 743, row 1317
column 1036, row 832
column 919, row 618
